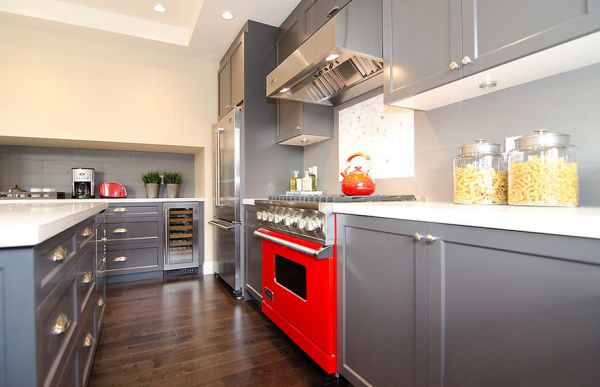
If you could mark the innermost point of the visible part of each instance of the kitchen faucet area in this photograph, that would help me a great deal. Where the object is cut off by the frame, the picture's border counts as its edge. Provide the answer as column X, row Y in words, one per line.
column 386, row 193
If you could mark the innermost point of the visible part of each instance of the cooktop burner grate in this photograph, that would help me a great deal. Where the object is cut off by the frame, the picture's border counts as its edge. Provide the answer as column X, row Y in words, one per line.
column 342, row 198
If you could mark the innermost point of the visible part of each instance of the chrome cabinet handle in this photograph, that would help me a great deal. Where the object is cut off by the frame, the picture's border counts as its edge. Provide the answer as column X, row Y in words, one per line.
column 86, row 232
column 60, row 254
column 120, row 259
column 299, row 128
column 88, row 340
column 101, row 301
column 453, row 65
column 429, row 239
column 121, row 230
column 333, row 11
column 86, row 278
column 61, row 324
column 104, row 260
column 417, row 237
column 120, row 209
column 466, row 60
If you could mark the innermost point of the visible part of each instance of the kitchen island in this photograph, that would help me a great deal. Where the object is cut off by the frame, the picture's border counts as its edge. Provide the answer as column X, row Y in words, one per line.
column 468, row 295
column 52, row 292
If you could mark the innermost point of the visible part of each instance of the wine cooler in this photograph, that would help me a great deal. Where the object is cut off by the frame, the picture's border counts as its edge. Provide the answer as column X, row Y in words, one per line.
column 181, row 239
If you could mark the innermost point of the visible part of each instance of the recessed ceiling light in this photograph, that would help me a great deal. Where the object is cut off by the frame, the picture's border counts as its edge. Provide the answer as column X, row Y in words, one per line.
column 489, row 84
column 160, row 8
column 227, row 15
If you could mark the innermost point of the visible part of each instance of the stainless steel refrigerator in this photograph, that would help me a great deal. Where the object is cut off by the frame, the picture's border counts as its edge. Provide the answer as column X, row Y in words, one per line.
column 226, row 220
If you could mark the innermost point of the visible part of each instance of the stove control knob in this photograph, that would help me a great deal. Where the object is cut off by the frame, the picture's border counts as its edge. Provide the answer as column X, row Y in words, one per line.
column 277, row 219
column 314, row 224
column 265, row 216
column 259, row 215
column 291, row 221
column 270, row 216
column 302, row 223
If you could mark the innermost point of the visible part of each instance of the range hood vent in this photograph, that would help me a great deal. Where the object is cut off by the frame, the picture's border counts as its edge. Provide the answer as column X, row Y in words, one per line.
column 340, row 61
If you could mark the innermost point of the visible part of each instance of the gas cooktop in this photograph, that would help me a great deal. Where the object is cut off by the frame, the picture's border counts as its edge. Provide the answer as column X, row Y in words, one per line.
column 342, row 198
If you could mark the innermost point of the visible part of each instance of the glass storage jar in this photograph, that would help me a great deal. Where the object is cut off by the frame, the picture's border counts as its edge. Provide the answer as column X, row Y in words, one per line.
column 480, row 174
column 542, row 171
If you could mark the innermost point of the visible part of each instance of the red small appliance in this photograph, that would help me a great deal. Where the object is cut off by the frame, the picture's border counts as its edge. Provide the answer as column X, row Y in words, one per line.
column 112, row 190
column 299, row 293
column 357, row 181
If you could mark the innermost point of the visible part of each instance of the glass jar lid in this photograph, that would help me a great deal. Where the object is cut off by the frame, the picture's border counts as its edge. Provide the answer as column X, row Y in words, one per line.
column 480, row 146
column 542, row 137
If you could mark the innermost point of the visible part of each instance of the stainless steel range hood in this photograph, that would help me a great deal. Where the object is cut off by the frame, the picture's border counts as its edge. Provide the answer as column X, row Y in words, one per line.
column 340, row 61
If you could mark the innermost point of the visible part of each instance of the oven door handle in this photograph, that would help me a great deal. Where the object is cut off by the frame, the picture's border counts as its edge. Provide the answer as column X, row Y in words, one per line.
column 322, row 253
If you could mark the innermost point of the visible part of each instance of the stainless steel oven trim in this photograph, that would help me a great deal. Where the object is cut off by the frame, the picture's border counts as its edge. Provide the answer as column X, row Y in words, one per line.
column 228, row 226
column 324, row 252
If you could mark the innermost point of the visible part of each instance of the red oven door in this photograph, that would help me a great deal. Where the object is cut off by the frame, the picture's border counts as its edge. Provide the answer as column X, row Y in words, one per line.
column 299, row 294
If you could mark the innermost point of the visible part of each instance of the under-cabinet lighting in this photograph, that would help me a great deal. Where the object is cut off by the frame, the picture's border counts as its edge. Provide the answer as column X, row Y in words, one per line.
column 488, row 84
column 332, row 57
column 284, row 90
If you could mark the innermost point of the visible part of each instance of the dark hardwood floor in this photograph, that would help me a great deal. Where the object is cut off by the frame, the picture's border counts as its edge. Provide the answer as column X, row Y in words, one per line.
column 190, row 331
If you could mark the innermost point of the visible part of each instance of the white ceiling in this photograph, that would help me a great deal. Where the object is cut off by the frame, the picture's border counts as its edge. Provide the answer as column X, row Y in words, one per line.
column 195, row 26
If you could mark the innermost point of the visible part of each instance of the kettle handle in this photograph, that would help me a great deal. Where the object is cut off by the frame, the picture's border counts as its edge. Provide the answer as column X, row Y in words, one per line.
column 359, row 154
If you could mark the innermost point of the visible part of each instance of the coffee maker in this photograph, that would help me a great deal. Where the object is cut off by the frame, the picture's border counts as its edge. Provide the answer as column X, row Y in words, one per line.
column 83, row 183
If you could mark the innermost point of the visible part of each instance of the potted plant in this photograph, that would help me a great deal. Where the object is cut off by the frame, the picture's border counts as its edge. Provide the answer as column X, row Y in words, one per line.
column 151, row 180
column 172, row 180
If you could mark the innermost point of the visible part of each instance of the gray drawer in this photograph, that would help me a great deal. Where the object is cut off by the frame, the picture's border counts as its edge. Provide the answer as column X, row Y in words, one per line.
column 58, row 324
column 67, row 375
column 86, row 276
column 85, row 233
column 118, row 211
column 120, row 260
column 54, row 261
column 85, row 343
column 138, row 231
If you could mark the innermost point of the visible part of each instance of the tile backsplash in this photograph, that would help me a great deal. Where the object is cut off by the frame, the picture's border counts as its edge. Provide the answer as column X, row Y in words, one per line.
column 43, row 167
column 567, row 103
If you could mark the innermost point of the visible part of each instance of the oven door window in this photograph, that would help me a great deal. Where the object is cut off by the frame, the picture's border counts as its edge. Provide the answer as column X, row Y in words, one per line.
column 291, row 275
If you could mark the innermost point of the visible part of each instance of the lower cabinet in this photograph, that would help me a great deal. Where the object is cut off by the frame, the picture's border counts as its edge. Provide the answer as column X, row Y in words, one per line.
column 252, row 255
column 424, row 304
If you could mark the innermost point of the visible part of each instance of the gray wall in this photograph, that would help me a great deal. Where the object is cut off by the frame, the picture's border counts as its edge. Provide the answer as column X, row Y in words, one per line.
column 51, row 167
column 568, row 103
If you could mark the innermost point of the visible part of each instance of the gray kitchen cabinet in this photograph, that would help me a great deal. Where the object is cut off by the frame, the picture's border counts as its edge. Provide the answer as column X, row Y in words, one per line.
column 301, row 124
column 291, row 36
column 231, row 77
column 318, row 12
column 47, row 319
column 253, row 254
column 458, row 38
column 225, row 88
column 474, row 307
column 135, row 242
column 496, row 32
column 380, row 293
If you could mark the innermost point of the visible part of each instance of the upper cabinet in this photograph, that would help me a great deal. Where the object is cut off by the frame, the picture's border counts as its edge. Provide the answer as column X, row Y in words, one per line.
column 231, row 77
column 428, row 43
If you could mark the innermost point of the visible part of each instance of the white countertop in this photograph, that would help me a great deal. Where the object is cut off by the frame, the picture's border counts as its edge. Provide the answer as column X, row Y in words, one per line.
column 578, row 222
column 26, row 224
column 101, row 200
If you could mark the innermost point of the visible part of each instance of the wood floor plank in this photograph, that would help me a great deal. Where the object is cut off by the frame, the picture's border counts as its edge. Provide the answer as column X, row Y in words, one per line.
column 190, row 331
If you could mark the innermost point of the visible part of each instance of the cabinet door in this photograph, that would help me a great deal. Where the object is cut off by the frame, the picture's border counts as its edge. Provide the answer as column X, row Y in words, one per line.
column 380, row 285
column 319, row 12
column 496, row 32
column 253, row 255
column 225, row 89
column 513, row 309
column 289, row 119
column 292, row 36
column 421, row 38
column 237, row 74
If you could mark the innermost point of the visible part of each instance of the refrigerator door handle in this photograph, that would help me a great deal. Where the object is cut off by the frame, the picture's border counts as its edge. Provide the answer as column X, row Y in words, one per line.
column 218, row 133
column 221, row 226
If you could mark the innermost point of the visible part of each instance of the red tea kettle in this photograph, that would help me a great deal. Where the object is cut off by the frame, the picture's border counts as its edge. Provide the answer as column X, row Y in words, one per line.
column 357, row 182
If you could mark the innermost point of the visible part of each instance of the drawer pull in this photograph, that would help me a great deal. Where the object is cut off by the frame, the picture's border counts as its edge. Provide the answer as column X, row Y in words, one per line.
column 104, row 260
column 120, row 259
column 87, row 278
column 60, row 254
column 121, row 230
column 88, row 340
column 61, row 325
column 86, row 232
column 101, row 301
column 120, row 209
